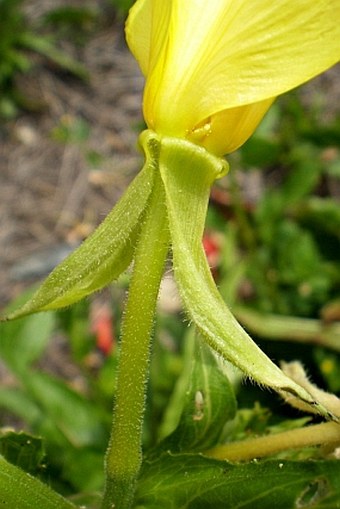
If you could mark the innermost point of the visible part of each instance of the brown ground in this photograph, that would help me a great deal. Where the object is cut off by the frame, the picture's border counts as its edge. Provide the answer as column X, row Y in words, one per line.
column 51, row 193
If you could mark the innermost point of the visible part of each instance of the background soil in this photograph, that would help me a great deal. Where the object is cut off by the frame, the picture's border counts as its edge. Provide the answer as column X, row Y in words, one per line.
column 53, row 194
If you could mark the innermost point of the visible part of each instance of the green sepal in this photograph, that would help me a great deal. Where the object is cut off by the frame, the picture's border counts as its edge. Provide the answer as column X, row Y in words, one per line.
column 19, row 490
column 101, row 258
column 188, row 172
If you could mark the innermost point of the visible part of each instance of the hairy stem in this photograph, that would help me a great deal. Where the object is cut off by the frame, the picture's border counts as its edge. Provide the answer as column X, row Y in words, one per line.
column 124, row 455
column 245, row 450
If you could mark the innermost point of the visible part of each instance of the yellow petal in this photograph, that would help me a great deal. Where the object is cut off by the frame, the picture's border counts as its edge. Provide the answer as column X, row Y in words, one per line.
column 227, row 130
column 220, row 54
column 146, row 31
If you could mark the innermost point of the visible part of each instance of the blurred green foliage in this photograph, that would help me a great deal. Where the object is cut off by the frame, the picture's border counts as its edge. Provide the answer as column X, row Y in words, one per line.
column 72, row 21
column 122, row 5
column 12, row 58
column 21, row 37
column 18, row 40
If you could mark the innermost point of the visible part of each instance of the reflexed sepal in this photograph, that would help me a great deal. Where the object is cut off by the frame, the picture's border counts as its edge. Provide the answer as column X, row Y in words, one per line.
column 102, row 257
column 188, row 172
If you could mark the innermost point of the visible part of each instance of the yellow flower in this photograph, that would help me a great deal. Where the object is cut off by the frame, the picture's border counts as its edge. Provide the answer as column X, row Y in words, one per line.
column 213, row 67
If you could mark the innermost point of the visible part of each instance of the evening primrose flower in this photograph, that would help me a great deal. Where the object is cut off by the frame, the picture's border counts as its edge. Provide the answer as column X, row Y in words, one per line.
column 214, row 67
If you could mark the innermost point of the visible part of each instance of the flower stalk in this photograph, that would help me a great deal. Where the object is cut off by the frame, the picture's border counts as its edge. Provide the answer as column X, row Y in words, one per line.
column 326, row 433
column 124, row 454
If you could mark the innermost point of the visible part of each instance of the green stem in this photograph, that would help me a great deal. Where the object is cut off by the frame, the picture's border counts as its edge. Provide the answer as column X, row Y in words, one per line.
column 245, row 450
column 124, row 456
column 289, row 328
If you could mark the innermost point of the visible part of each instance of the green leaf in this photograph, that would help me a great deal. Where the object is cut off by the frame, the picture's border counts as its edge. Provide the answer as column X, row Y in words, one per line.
column 70, row 17
column 84, row 469
column 260, row 151
column 321, row 213
column 19, row 490
column 187, row 172
column 188, row 481
column 307, row 171
column 20, row 404
column 209, row 402
column 23, row 450
column 29, row 336
column 46, row 47
column 79, row 421
column 329, row 364
column 101, row 258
